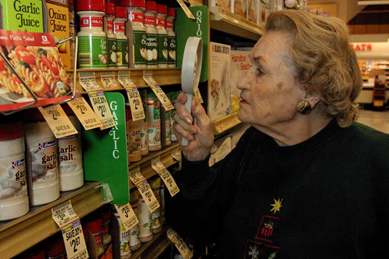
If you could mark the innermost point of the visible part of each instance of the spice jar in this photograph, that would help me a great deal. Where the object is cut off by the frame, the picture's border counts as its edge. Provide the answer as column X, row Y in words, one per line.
column 143, row 125
column 162, row 36
column 42, row 163
column 95, row 227
column 134, row 232
column 121, row 38
column 151, row 34
column 71, row 172
column 111, row 39
column 171, row 37
column 55, row 248
column 124, row 239
column 92, row 41
column 154, row 121
column 156, row 226
column 135, row 12
column 145, row 233
column 133, row 137
column 166, row 127
column 13, row 180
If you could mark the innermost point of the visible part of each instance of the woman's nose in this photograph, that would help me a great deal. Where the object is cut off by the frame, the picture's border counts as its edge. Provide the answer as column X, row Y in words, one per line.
column 244, row 81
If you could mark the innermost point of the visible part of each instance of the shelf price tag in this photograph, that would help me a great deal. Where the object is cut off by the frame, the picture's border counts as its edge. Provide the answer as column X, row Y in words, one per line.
column 84, row 113
column 186, row 9
column 127, row 216
column 148, row 77
column 101, row 108
column 198, row 96
column 144, row 188
column 65, row 217
column 58, row 121
column 108, row 80
column 125, row 80
column 136, row 105
column 179, row 243
column 88, row 81
column 176, row 154
column 165, row 175
column 167, row 104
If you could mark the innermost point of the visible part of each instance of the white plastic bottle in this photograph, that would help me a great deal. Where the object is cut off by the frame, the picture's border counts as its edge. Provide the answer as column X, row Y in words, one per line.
column 171, row 36
column 71, row 172
column 111, row 39
column 13, row 179
column 92, row 40
column 42, row 163
column 121, row 38
column 151, row 34
column 160, row 25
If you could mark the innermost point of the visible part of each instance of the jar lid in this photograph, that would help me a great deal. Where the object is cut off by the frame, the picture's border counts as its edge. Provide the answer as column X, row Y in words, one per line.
column 151, row 6
column 133, row 3
column 110, row 8
column 55, row 247
column 171, row 12
column 91, row 5
column 11, row 130
column 94, row 225
column 121, row 12
column 162, row 9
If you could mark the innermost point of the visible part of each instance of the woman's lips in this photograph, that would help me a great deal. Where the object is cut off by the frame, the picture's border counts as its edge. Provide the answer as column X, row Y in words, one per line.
column 243, row 101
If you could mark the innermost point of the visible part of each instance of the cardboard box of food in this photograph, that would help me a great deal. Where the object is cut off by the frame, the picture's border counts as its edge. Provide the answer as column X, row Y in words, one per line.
column 253, row 11
column 226, row 5
column 219, row 90
column 240, row 65
column 240, row 8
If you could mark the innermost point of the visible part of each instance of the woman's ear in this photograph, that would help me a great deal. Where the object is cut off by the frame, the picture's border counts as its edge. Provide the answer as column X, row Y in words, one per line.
column 313, row 99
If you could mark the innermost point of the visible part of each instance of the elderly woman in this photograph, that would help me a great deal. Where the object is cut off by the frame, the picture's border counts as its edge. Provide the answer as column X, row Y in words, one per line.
column 305, row 180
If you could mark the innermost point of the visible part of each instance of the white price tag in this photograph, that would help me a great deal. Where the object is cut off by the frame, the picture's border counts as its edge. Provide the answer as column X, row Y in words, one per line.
column 125, row 79
column 186, row 9
column 58, row 121
column 88, row 81
column 108, row 80
column 162, row 97
column 127, row 215
column 136, row 104
column 101, row 108
column 84, row 113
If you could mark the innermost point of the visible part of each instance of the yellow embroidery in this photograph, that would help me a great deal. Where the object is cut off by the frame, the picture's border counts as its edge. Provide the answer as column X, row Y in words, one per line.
column 276, row 205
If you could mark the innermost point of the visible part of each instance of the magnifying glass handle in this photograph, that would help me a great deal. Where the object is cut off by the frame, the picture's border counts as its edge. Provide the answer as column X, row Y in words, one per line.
column 188, row 106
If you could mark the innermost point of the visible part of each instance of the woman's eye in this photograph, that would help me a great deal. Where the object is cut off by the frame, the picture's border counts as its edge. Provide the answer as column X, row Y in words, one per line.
column 259, row 71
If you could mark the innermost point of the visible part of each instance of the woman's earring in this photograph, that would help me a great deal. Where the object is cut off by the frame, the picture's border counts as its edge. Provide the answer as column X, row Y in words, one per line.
column 304, row 107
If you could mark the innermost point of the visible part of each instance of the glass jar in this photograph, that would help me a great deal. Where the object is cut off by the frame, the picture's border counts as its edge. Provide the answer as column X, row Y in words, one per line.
column 171, row 36
column 151, row 34
column 162, row 36
column 111, row 39
column 121, row 38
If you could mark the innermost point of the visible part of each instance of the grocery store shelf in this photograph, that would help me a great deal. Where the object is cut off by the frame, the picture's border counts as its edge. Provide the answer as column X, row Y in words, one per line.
column 145, row 164
column 227, row 22
column 154, row 247
column 22, row 233
column 163, row 76
column 223, row 124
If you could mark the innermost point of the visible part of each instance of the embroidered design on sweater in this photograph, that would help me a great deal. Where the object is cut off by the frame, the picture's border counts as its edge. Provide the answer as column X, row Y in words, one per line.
column 258, row 250
column 266, row 228
column 276, row 205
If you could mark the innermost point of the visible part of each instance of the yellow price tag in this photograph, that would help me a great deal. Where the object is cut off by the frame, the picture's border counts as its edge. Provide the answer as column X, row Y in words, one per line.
column 162, row 97
column 137, row 111
column 127, row 215
column 101, row 108
column 84, row 113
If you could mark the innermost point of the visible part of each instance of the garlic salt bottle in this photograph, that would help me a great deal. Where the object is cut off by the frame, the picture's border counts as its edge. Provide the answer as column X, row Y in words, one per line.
column 42, row 163
column 111, row 39
column 135, row 11
column 71, row 172
column 162, row 36
column 121, row 38
column 171, row 37
column 13, row 180
column 151, row 34
column 92, row 40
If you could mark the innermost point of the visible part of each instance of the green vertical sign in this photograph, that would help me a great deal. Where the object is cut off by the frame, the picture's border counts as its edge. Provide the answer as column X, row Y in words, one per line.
column 105, row 152
column 185, row 28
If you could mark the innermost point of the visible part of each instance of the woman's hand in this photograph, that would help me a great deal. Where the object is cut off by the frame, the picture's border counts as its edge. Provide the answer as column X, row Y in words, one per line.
column 197, row 130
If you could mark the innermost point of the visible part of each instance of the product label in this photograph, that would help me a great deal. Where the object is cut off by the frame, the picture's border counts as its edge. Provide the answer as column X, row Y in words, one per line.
column 92, row 52
column 136, row 105
column 136, row 17
column 169, row 24
column 134, row 235
column 22, row 15
column 112, row 49
column 165, row 175
column 134, row 140
column 109, row 25
column 124, row 240
column 101, row 108
column 152, row 48
column 167, row 125
column 118, row 27
column 144, row 125
column 91, row 22
column 70, row 154
column 150, row 20
column 58, row 121
column 162, row 49
column 160, row 21
column 172, row 50
column 154, row 122
column 84, row 113
column 108, row 80
column 59, row 27
column 122, row 53
column 139, row 47
column 13, row 185
column 167, row 105
column 127, row 216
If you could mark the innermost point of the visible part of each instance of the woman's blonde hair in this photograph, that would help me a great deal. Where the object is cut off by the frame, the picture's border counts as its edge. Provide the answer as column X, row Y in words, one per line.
column 325, row 62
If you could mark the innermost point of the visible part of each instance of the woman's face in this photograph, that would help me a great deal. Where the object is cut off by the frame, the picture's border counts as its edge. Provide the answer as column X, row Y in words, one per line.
column 269, row 91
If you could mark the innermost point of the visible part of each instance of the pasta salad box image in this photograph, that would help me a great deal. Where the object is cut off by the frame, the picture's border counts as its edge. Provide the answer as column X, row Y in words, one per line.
column 36, row 59
column 240, row 65
column 223, row 4
column 219, row 91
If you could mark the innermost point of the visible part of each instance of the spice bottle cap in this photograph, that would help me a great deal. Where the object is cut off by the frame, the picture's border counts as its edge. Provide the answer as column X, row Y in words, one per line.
column 94, row 225
column 91, row 5
column 133, row 3
column 56, row 247
column 11, row 130
column 171, row 12
column 162, row 9
column 151, row 6
column 121, row 12
column 110, row 8
column 71, row 2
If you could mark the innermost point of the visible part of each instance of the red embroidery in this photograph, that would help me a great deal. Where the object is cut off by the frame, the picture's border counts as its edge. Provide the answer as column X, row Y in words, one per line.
column 266, row 228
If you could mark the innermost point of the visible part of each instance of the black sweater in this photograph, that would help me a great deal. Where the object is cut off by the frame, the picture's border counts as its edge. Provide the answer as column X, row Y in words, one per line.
column 324, row 198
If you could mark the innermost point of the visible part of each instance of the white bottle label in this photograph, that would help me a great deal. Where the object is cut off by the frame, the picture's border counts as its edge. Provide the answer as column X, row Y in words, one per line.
column 44, row 163
column 70, row 156
column 13, row 183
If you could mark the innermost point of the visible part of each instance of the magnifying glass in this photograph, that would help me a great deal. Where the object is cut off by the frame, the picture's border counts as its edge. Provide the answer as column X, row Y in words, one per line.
column 190, row 72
